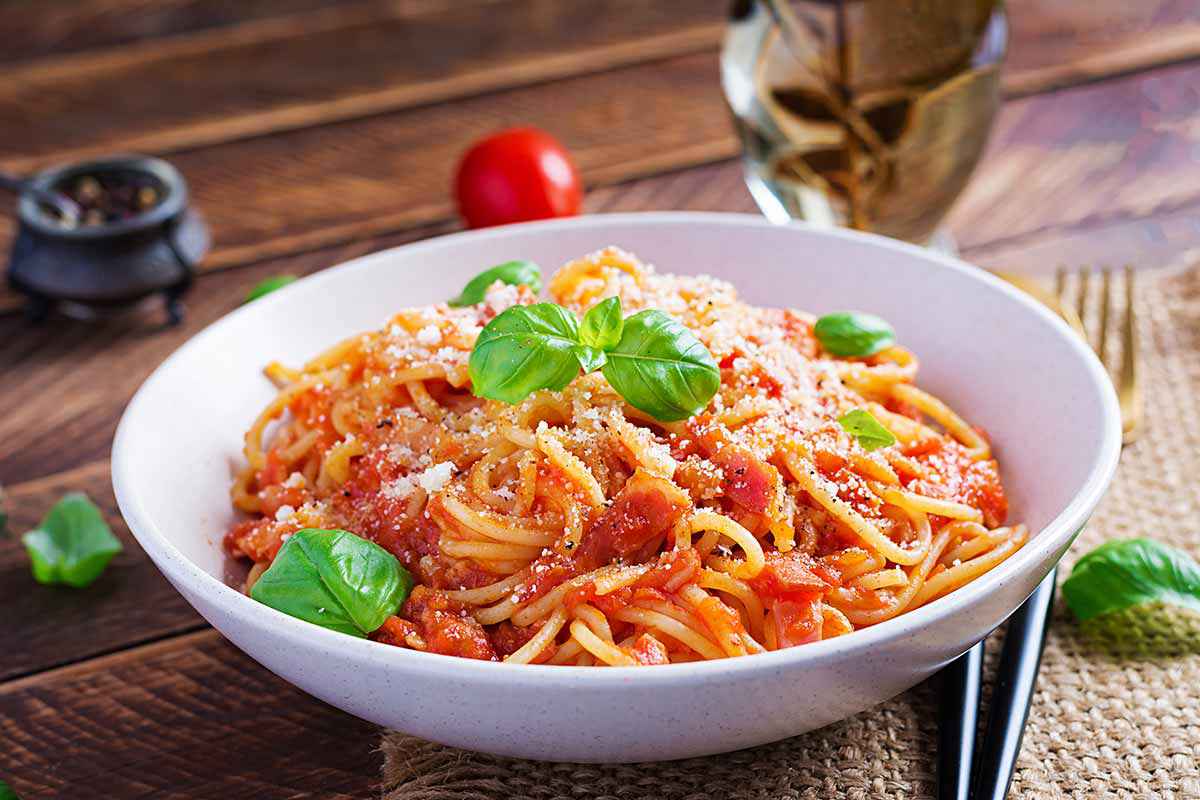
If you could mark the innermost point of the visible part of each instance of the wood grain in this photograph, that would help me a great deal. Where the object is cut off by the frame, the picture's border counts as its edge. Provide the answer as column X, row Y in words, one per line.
column 1093, row 155
column 179, row 720
column 315, row 187
column 369, row 58
column 318, row 186
column 353, row 65
column 310, row 188
column 62, row 27
column 1057, row 43
column 45, row 626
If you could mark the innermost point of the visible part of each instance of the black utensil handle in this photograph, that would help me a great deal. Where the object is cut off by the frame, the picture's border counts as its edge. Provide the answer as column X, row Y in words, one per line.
column 958, row 718
column 1016, row 675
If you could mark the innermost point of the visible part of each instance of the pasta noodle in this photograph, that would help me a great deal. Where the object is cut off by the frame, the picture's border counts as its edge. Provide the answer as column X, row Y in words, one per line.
column 573, row 529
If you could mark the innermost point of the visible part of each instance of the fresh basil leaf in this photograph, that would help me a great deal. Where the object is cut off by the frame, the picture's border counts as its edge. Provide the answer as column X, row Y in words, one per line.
column 268, row 285
column 524, row 349
column 866, row 429
column 6, row 792
column 590, row 358
column 334, row 579
column 602, row 325
column 72, row 545
column 848, row 333
column 514, row 273
column 660, row 367
column 1130, row 572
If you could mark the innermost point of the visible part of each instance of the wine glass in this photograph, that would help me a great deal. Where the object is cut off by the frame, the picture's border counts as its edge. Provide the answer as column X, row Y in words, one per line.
column 865, row 113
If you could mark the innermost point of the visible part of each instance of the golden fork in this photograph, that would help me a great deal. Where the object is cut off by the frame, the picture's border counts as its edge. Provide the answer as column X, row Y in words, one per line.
column 1125, row 379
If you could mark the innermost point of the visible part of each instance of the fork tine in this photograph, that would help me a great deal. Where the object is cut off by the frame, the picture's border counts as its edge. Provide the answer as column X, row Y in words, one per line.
column 1105, row 307
column 1129, row 390
column 1081, row 302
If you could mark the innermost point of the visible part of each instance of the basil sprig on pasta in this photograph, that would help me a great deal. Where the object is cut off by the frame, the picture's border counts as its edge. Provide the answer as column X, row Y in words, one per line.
column 650, row 359
column 334, row 579
column 514, row 273
column 863, row 426
column 852, row 334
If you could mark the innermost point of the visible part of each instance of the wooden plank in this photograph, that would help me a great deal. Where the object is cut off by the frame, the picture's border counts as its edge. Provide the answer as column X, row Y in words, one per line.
column 318, row 186
column 179, row 720
column 49, row 625
column 309, row 188
column 315, row 187
column 1096, row 154
column 354, row 64
column 373, row 57
column 1057, row 43
column 68, row 26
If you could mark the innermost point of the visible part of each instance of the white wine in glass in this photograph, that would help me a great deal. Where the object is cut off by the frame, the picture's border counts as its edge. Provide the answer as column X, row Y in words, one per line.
column 866, row 113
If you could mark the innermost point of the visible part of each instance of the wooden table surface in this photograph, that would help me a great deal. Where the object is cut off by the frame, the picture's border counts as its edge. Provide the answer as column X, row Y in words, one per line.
column 313, row 131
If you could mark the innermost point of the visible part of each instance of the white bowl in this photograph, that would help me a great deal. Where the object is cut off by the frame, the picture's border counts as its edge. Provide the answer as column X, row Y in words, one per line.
column 1001, row 359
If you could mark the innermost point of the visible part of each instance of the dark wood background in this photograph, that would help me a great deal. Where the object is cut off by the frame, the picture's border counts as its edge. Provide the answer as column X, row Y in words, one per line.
column 313, row 131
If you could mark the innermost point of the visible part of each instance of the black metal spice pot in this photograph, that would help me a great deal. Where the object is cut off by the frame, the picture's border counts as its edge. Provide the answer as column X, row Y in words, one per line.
column 137, row 237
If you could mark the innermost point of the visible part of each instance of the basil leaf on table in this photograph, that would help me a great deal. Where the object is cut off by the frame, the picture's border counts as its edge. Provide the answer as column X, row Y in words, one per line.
column 863, row 426
column 848, row 333
column 1137, row 597
column 514, row 273
column 524, row 349
column 334, row 579
column 268, row 285
column 1130, row 572
column 660, row 367
column 602, row 324
column 72, row 545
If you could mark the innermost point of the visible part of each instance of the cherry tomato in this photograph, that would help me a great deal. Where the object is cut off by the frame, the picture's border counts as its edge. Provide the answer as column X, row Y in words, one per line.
column 516, row 175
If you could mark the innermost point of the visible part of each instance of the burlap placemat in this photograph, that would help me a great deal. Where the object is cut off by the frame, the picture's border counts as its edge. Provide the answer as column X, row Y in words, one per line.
column 1100, row 727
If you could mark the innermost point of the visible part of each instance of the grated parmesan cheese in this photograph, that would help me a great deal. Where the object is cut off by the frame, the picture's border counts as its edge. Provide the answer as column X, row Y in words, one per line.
column 397, row 489
column 433, row 479
column 429, row 336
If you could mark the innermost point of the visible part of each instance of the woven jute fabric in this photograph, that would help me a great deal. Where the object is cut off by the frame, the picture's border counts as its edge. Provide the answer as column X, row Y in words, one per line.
column 1100, row 726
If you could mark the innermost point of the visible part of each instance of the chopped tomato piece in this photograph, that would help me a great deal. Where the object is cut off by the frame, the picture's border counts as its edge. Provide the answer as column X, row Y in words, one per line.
column 796, row 622
column 446, row 626
column 793, row 573
column 397, row 632
column 646, row 507
column 648, row 650
column 673, row 568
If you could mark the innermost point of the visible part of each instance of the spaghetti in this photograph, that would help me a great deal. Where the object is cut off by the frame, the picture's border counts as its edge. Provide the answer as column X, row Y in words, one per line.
column 573, row 529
